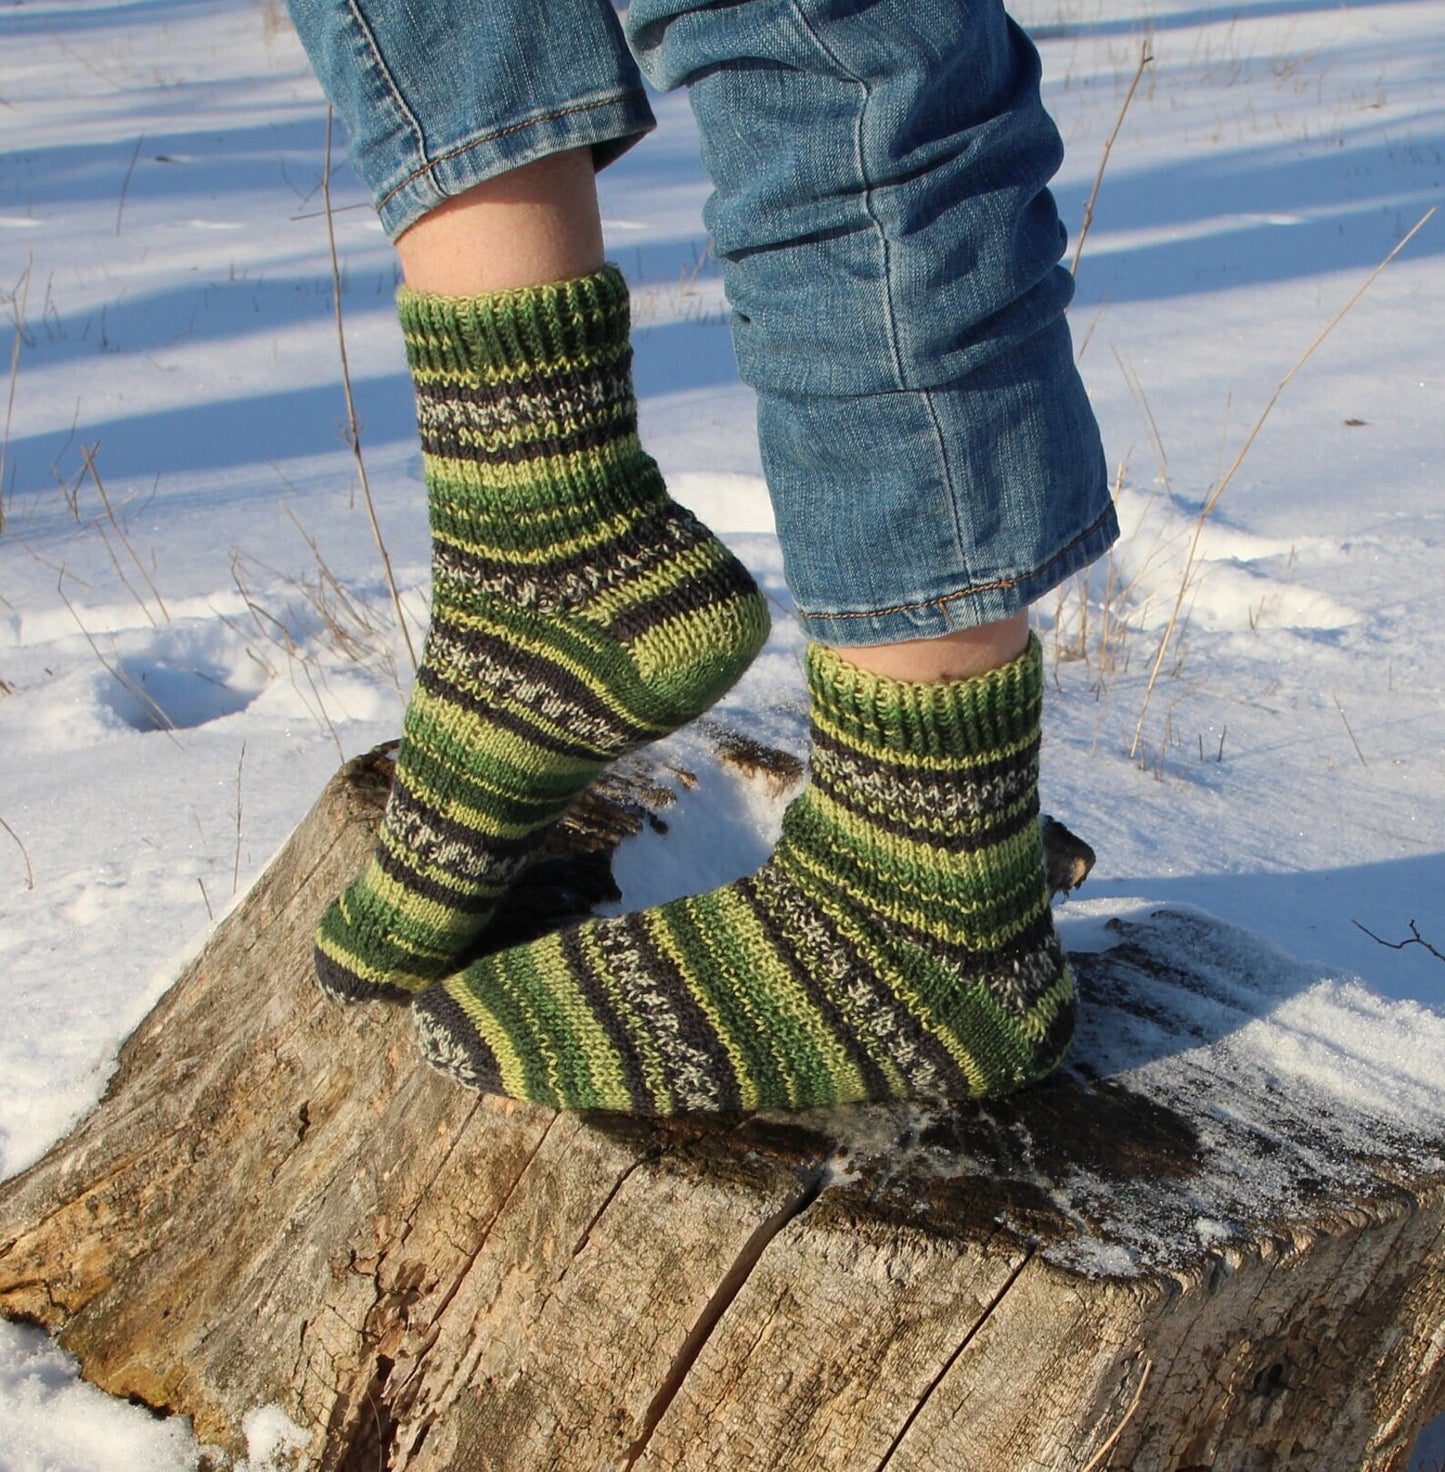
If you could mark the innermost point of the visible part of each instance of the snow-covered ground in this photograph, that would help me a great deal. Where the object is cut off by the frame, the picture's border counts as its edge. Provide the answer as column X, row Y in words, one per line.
column 195, row 625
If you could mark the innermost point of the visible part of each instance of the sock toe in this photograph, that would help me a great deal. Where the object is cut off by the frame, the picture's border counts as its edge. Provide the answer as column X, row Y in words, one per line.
column 351, row 969
column 451, row 1045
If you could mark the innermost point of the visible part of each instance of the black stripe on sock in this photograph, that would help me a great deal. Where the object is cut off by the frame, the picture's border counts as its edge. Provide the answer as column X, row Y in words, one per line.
column 598, row 999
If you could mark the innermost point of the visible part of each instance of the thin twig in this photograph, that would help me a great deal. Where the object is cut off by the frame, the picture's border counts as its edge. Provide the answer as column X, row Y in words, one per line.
column 357, row 641
column 1146, row 55
column 1102, row 1455
column 1141, row 402
column 320, row 706
column 120, row 573
column 19, row 300
column 210, row 914
column 87, row 453
column 1348, row 731
column 353, row 427
column 1214, row 496
column 1415, row 939
column 141, row 697
column 236, row 869
column 1309, row 352
column 125, row 183
column 29, row 871
column 79, row 57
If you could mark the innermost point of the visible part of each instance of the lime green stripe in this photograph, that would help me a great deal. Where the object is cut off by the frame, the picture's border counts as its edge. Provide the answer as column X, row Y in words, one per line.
column 511, row 797
column 665, row 577
column 396, row 894
column 748, row 1057
column 834, row 1058
column 897, row 966
column 519, row 1005
column 582, row 1066
column 984, row 914
column 472, row 517
column 855, row 828
column 755, row 991
column 493, row 375
column 951, row 762
column 536, row 482
column 487, row 441
column 435, row 752
column 582, row 650
column 495, row 1033
column 394, row 973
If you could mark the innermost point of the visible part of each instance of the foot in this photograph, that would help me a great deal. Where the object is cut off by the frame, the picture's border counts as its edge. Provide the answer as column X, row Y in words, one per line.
column 898, row 943
column 577, row 612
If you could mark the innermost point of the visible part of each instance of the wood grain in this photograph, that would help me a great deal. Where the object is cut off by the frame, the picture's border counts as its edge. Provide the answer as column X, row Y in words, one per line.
column 277, row 1202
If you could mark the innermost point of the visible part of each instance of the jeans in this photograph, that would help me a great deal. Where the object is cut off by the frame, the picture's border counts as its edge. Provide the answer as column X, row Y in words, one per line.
column 889, row 245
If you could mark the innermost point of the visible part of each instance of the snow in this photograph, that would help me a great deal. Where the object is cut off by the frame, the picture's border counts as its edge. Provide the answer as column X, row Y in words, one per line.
column 167, row 320
column 52, row 1422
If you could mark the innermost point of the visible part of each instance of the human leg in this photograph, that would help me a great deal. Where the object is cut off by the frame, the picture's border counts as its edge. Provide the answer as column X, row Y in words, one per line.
column 535, row 224
column 438, row 98
column 891, row 257
column 577, row 611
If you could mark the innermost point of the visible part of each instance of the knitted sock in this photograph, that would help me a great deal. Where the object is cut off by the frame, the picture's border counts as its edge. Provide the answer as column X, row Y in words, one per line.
column 898, row 943
column 577, row 612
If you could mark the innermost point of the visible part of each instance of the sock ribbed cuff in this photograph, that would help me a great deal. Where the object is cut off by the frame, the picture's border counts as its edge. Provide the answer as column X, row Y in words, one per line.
column 508, row 334
column 526, row 412
column 949, row 718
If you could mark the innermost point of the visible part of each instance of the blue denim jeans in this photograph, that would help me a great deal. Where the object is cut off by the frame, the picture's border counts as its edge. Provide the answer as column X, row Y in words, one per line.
column 889, row 245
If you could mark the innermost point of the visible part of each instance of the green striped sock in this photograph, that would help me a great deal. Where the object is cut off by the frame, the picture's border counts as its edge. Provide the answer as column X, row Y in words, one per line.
column 898, row 943
column 577, row 612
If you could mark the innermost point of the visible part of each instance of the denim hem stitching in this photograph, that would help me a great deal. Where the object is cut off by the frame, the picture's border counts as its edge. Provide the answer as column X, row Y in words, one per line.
column 993, row 587
column 541, row 117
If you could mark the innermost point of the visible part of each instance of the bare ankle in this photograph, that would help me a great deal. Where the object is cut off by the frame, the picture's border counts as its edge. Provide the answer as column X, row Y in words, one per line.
column 960, row 655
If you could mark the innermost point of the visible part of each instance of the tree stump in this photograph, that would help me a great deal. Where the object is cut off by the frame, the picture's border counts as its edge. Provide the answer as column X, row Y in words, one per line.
column 1177, row 1254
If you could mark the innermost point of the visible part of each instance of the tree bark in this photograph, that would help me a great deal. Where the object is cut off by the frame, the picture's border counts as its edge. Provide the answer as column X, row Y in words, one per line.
column 1178, row 1261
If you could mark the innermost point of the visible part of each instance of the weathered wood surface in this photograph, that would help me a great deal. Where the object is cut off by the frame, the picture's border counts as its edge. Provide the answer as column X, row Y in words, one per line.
column 1166, row 1258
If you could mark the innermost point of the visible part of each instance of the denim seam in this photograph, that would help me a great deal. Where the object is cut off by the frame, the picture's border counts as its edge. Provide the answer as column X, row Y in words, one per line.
column 860, row 158
column 485, row 138
column 379, row 62
column 960, row 542
column 993, row 587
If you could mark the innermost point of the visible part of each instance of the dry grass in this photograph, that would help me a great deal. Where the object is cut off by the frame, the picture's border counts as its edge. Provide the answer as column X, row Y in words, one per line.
column 1188, row 578
column 1094, row 624
column 88, row 454
column 116, row 670
column 24, row 854
column 320, row 623
column 1146, row 55
column 353, row 425
column 19, row 298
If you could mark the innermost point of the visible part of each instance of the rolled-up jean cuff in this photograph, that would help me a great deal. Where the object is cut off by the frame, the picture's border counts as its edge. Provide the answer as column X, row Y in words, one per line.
column 966, row 608
column 607, row 125
column 438, row 97
column 916, row 513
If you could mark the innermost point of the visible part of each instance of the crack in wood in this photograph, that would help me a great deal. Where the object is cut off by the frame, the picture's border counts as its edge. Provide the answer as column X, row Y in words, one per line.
column 580, row 1245
column 810, row 1186
column 409, row 1220
column 949, row 1363
column 356, row 1445
column 207, row 1270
